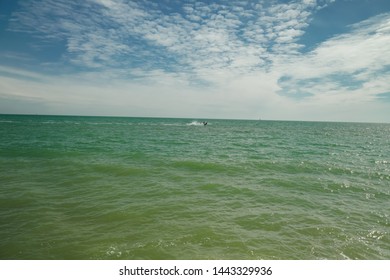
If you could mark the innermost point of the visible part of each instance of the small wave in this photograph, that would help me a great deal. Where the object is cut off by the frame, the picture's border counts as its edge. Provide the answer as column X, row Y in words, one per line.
column 101, row 123
column 172, row 124
column 113, row 252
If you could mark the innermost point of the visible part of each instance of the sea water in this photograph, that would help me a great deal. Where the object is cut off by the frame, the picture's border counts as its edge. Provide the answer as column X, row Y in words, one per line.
column 154, row 188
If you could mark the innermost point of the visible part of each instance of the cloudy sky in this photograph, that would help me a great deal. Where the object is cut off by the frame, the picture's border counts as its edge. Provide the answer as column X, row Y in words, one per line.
column 326, row 60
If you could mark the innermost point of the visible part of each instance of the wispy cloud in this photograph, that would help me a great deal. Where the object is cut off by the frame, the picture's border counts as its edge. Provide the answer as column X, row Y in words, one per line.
column 195, row 36
column 248, row 55
column 345, row 66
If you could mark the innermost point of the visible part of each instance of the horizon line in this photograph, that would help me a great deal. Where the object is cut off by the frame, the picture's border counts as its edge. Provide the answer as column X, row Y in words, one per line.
column 190, row 118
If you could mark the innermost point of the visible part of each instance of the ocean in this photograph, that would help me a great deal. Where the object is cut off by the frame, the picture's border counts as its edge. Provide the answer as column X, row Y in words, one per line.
column 157, row 188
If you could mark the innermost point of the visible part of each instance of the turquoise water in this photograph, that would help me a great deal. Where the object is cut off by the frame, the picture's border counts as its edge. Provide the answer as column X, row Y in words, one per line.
column 145, row 188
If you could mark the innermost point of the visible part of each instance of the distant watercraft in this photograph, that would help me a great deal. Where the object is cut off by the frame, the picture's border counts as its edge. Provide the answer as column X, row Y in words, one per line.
column 197, row 123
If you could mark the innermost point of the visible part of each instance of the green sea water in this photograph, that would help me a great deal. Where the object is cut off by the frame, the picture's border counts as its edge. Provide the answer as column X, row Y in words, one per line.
column 149, row 188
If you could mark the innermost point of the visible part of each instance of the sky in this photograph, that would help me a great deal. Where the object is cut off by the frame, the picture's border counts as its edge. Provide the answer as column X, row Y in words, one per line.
column 311, row 60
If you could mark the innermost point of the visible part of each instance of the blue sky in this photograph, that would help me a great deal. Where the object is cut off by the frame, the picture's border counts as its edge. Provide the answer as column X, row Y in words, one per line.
column 326, row 60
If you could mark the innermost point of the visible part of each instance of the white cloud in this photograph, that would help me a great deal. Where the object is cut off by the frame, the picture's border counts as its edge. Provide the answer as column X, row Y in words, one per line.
column 103, row 33
column 343, row 68
column 241, row 60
